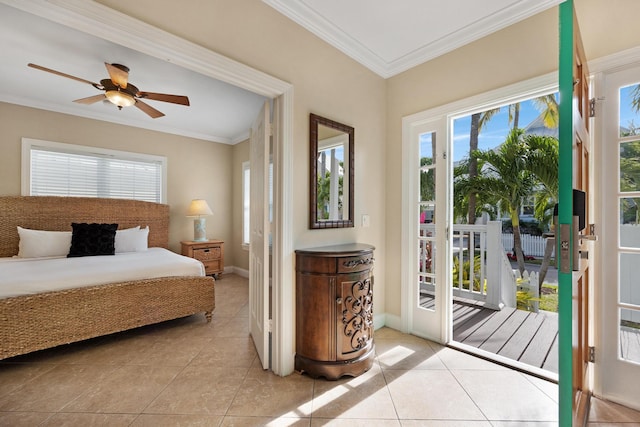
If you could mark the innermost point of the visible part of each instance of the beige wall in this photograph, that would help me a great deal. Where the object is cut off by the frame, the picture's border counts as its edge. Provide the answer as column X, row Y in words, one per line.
column 195, row 168
column 520, row 52
column 325, row 81
column 608, row 26
column 328, row 83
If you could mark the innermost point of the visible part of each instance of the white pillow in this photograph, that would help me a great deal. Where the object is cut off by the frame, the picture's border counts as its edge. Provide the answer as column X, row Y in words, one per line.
column 132, row 240
column 41, row 243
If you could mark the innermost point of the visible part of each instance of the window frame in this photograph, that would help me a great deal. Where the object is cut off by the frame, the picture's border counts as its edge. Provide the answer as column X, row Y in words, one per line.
column 246, row 204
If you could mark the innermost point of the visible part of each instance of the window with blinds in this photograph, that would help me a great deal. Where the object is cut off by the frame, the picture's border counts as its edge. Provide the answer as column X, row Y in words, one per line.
column 55, row 169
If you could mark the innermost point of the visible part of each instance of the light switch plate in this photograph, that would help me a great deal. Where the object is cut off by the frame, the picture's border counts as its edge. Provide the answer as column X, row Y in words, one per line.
column 366, row 222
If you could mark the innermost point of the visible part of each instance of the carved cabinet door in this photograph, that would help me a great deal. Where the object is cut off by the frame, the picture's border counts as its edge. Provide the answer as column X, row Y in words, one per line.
column 354, row 323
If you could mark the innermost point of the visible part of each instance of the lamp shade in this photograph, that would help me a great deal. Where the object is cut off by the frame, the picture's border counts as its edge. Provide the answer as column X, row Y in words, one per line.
column 199, row 207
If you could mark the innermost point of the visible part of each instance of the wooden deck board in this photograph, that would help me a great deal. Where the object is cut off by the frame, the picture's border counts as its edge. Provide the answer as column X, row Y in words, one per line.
column 539, row 348
column 427, row 302
column 469, row 322
column 503, row 334
column 530, row 338
column 484, row 332
column 551, row 362
column 521, row 339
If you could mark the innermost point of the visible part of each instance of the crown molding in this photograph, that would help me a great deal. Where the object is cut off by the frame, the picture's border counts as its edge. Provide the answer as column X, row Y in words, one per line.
column 305, row 16
column 100, row 21
column 92, row 114
column 108, row 24
column 615, row 62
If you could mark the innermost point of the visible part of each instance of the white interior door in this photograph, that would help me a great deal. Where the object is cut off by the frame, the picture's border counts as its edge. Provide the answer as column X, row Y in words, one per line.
column 618, row 368
column 425, row 220
column 260, row 229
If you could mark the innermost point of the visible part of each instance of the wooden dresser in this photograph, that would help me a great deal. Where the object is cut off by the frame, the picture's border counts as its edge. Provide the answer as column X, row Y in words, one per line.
column 209, row 252
column 334, row 310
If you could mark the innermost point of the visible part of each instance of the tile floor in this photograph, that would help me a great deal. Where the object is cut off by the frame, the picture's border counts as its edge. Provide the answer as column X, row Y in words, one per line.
column 190, row 373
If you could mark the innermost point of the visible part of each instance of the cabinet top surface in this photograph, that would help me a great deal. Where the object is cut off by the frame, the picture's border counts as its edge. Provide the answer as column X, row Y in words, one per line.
column 200, row 242
column 338, row 250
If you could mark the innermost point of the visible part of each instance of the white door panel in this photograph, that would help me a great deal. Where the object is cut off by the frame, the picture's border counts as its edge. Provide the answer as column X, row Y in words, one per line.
column 618, row 368
column 260, row 228
column 424, row 228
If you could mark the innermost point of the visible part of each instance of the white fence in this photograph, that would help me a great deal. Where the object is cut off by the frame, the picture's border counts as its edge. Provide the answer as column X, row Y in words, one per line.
column 528, row 283
column 485, row 274
column 531, row 245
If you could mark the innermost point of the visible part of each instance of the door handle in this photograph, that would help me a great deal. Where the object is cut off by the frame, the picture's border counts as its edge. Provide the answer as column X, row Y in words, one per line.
column 592, row 234
column 588, row 237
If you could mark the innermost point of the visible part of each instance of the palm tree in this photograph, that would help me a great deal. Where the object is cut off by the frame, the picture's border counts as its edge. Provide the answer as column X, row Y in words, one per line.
column 514, row 115
column 507, row 177
column 478, row 122
column 548, row 106
column 543, row 163
column 635, row 98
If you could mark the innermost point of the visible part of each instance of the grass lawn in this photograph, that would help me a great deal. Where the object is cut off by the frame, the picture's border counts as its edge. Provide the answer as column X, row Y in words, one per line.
column 549, row 298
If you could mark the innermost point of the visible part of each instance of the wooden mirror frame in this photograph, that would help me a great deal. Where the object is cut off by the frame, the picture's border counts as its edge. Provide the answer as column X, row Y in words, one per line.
column 314, row 223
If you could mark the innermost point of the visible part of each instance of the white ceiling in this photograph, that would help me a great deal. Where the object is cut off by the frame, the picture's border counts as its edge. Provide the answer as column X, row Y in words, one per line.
column 389, row 37
column 218, row 112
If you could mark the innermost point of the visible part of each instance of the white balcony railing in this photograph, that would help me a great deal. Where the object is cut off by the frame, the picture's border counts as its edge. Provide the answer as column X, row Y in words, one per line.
column 480, row 268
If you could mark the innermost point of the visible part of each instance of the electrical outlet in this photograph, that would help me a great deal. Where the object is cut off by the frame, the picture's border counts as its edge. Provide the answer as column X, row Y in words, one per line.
column 366, row 221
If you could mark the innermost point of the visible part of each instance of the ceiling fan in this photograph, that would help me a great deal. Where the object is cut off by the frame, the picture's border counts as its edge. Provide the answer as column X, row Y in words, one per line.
column 119, row 91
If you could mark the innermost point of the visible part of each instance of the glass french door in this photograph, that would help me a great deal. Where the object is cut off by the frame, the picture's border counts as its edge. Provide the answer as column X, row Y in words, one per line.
column 424, row 228
column 618, row 368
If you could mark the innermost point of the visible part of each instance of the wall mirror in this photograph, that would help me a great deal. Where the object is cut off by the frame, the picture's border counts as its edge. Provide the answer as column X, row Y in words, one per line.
column 332, row 172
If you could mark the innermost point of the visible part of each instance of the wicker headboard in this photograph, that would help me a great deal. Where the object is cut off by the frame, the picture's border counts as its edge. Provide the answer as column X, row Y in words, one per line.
column 57, row 213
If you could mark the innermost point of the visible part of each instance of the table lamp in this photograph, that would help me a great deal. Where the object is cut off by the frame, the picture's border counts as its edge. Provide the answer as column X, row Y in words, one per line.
column 199, row 208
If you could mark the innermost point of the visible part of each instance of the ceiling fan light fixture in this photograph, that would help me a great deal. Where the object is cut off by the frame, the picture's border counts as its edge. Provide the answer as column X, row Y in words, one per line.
column 121, row 99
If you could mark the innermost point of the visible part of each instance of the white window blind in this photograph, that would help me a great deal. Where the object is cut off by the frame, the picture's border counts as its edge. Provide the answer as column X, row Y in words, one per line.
column 70, row 170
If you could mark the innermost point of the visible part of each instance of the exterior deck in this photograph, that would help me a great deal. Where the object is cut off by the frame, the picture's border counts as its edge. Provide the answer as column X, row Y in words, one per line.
column 527, row 337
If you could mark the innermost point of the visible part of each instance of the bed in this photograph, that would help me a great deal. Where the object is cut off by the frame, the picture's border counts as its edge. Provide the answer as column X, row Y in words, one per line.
column 45, row 319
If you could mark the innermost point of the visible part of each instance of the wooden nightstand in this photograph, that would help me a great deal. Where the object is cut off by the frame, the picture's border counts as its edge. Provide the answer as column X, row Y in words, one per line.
column 210, row 253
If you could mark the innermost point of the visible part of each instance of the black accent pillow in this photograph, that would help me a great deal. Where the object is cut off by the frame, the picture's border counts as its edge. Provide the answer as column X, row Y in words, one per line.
column 92, row 239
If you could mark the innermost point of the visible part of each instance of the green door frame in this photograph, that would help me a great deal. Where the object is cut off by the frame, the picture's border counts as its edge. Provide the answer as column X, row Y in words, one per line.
column 565, row 212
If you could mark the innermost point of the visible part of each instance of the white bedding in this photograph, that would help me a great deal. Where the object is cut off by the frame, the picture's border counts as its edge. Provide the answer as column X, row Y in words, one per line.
column 25, row 276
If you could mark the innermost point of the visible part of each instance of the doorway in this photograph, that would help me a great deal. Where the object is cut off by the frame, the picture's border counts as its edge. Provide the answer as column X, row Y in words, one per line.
column 428, row 195
column 94, row 19
column 505, row 289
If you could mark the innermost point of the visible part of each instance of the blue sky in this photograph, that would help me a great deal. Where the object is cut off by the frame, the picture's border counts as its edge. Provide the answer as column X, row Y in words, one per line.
column 493, row 134
column 497, row 128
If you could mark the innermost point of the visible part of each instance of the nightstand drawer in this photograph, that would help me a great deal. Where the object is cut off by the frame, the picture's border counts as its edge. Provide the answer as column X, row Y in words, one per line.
column 207, row 254
column 210, row 253
column 211, row 267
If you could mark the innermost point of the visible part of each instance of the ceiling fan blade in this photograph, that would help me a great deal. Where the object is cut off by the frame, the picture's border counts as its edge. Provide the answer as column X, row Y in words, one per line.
column 119, row 74
column 175, row 99
column 91, row 99
column 152, row 112
column 69, row 76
